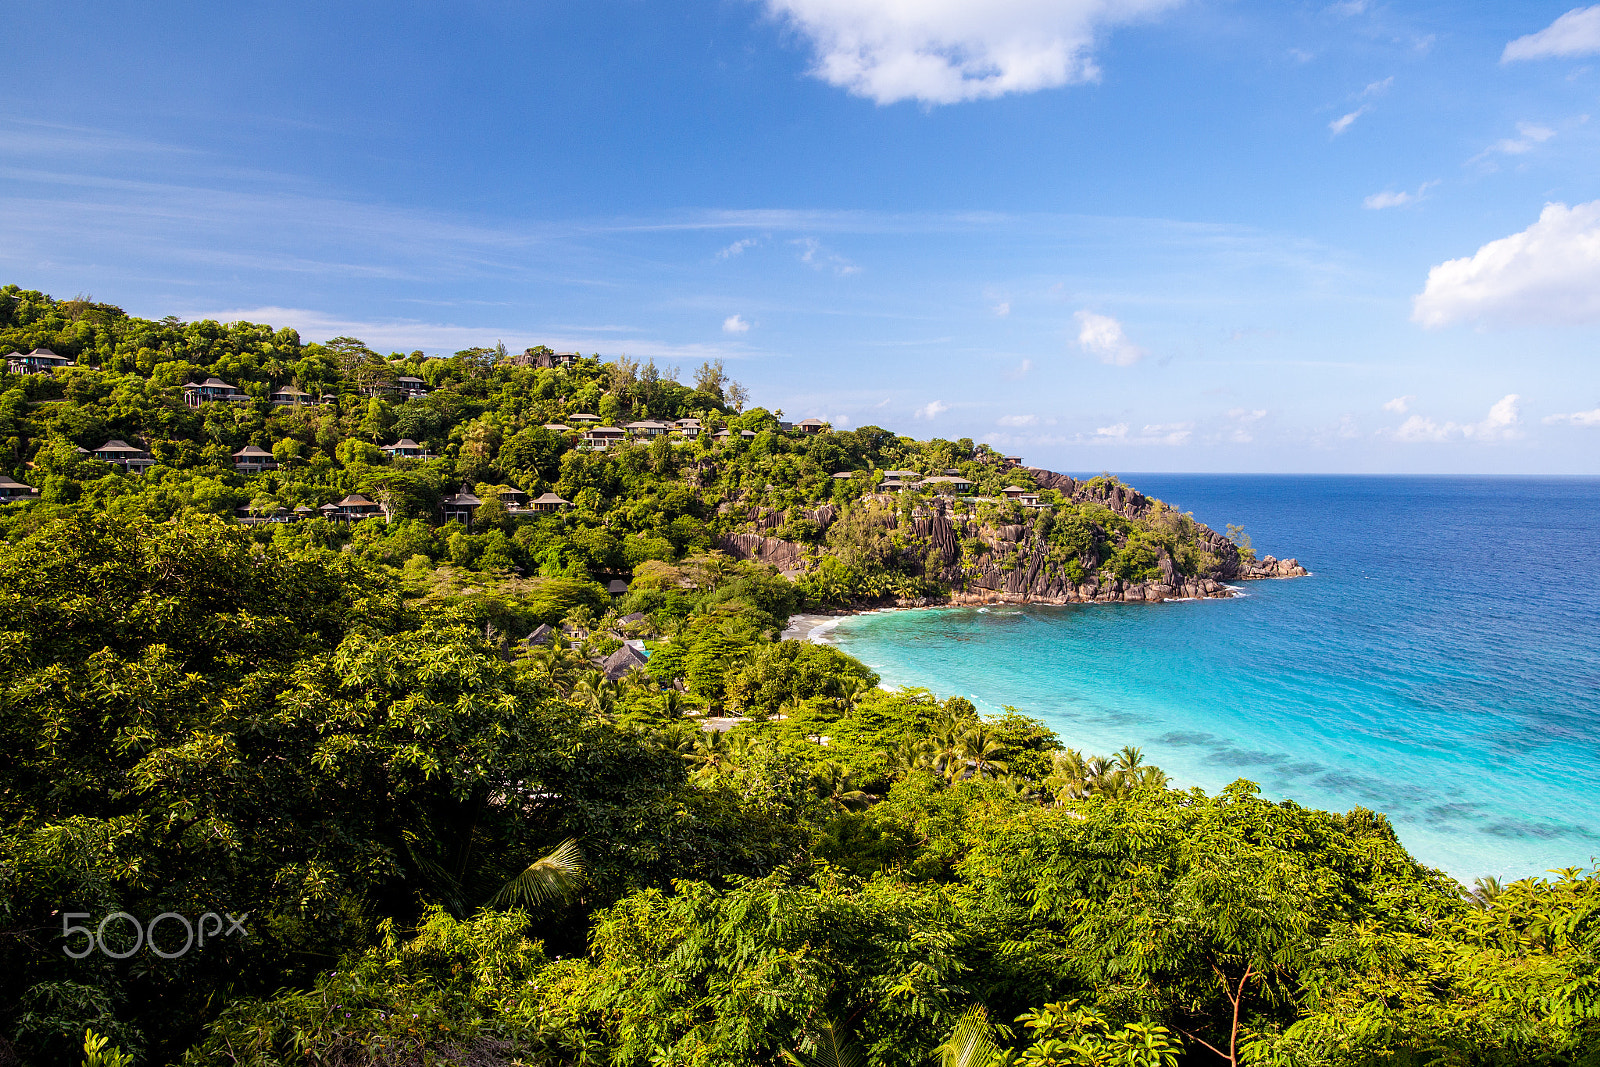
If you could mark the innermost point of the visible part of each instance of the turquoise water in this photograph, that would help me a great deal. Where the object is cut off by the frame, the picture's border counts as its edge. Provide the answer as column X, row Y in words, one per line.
column 1441, row 664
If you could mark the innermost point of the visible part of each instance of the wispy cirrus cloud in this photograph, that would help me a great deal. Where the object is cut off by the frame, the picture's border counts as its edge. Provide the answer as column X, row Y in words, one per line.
column 1390, row 198
column 1373, row 89
column 1575, row 418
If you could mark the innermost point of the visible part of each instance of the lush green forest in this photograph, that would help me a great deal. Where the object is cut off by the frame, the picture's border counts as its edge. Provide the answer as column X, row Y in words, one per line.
column 298, row 792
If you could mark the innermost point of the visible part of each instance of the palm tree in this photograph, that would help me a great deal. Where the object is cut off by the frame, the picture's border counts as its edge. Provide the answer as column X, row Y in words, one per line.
column 946, row 748
column 838, row 786
column 596, row 694
column 1129, row 758
column 854, row 691
column 1069, row 776
column 905, row 757
column 708, row 753
column 550, row 877
column 982, row 752
column 1484, row 892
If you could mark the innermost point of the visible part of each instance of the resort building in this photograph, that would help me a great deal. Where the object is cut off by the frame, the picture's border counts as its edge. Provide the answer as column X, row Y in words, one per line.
column 356, row 507
column 125, row 455
column 647, row 429
column 630, row 657
column 12, row 490
column 460, row 507
column 197, row 393
column 550, row 502
column 290, row 397
column 811, row 426
column 723, row 435
column 690, row 428
column 556, row 427
column 893, row 480
column 410, row 388
column 39, row 361
column 253, row 460
column 583, row 420
column 600, row 438
column 948, row 483
column 1028, row 498
column 406, row 448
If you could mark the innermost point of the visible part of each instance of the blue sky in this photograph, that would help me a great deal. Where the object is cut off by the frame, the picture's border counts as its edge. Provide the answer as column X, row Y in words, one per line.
column 1207, row 235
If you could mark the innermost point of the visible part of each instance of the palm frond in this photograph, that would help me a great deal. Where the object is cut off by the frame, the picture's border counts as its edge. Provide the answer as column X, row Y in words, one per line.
column 830, row 1048
column 550, row 877
column 971, row 1043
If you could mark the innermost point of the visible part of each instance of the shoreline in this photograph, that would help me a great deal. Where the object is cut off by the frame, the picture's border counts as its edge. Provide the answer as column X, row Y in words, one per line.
column 804, row 626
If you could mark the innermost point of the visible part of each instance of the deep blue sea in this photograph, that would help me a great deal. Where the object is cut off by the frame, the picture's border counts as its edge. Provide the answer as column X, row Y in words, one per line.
column 1441, row 664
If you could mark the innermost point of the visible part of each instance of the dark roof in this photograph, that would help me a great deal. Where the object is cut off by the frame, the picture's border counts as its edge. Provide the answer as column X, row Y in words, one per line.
column 550, row 498
column 404, row 442
column 461, row 500
column 355, row 500
column 539, row 636
column 44, row 352
column 617, row 585
column 408, row 378
column 637, row 616
column 8, row 482
column 118, row 446
column 252, row 450
column 621, row 662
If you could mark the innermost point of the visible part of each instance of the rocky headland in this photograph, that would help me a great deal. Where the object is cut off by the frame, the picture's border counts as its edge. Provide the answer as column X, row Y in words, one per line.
column 1016, row 563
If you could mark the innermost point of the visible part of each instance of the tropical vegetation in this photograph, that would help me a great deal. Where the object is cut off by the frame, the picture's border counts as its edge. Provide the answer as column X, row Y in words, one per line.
column 435, row 840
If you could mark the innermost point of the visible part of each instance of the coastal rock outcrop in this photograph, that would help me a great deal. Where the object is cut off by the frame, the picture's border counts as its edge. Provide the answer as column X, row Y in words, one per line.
column 1016, row 562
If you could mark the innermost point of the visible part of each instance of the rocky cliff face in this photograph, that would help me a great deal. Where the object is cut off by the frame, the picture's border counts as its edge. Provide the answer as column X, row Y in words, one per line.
column 1015, row 564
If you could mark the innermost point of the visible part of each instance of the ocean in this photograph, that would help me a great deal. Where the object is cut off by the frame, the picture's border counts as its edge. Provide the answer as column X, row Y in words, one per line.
column 1441, row 664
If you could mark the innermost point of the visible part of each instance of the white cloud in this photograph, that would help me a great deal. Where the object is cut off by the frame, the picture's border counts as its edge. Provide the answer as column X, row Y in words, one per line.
column 932, row 409
column 735, row 324
column 1002, row 309
column 1160, row 433
column 1548, row 273
column 1300, row 55
column 947, row 51
column 815, row 256
column 1577, row 33
column 1529, row 136
column 1377, row 88
column 1341, row 124
column 1349, row 8
column 1019, row 420
column 738, row 247
column 1239, row 433
column 1399, row 405
column 1500, row 424
column 1102, row 336
column 1576, row 418
column 1390, row 198
column 1021, row 372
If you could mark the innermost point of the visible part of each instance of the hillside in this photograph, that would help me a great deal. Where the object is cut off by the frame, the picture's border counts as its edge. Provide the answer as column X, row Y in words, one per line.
column 366, row 784
column 285, row 430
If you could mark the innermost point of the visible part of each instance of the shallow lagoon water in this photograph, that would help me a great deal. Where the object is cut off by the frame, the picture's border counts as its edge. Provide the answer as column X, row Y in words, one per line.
column 1441, row 665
